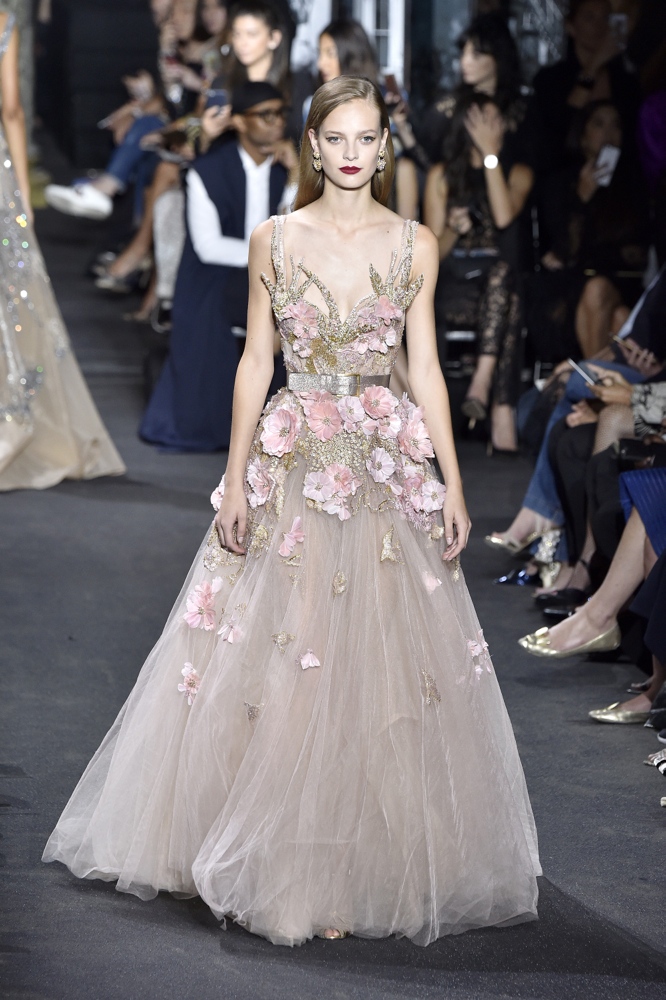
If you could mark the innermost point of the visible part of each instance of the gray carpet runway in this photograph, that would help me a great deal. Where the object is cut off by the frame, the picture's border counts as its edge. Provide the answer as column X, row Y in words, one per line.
column 88, row 572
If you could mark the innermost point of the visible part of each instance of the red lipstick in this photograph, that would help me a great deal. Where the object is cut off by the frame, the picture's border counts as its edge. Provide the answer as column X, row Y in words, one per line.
column 350, row 170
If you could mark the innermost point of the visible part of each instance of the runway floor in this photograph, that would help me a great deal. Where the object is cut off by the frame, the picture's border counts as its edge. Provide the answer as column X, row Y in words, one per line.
column 88, row 572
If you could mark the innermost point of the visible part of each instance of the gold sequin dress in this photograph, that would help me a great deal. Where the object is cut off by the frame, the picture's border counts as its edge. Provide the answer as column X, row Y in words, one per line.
column 318, row 739
column 50, row 429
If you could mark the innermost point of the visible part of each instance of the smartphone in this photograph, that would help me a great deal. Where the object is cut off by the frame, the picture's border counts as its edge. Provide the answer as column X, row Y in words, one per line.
column 606, row 164
column 216, row 98
column 619, row 26
column 589, row 378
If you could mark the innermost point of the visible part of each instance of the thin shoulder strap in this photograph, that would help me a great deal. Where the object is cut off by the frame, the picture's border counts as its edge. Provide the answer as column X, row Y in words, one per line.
column 277, row 249
column 7, row 33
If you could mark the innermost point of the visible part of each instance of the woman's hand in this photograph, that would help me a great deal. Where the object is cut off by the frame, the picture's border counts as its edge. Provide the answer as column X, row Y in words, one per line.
column 215, row 121
column 639, row 358
column 459, row 220
column 551, row 261
column 613, row 387
column 231, row 520
column 457, row 524
column 285, row 153
column 588, row 182
column 581, row 413
column 485, row 127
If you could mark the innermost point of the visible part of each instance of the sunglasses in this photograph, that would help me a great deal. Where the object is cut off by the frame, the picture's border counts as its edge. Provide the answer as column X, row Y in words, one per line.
column 270, row 116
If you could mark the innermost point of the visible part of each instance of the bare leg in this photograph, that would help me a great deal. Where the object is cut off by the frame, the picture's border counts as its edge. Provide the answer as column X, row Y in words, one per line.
column 107, row 184
column 594, row 315
column 482, row 379
column 615, row 421
column 524, row 523
column 600, row 613
column 503, row 424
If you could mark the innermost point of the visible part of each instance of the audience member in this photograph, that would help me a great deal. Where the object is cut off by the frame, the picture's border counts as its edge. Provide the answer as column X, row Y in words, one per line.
column 594, row 234
column 472, row 202
column 229, row 191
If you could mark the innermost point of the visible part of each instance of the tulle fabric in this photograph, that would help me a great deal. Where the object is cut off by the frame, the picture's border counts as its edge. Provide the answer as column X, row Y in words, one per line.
column 50, row 429
column 380, row 792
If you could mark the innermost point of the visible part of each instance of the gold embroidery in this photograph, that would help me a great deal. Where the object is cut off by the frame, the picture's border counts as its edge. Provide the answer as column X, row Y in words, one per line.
column 390, row 552
column 436, row 532
column 431, row 692
column 455, row 569
column 293, row 560
column 282, row 640
column 259, row 540
column 215, row 556
column 339, row 582
column 252, row 711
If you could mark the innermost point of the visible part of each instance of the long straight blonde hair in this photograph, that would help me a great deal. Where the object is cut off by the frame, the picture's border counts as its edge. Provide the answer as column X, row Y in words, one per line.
column 326, row 99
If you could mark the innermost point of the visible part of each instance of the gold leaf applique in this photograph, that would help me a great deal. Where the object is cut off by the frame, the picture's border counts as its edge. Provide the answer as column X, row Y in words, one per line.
column 339, row 582
column 455, row 569
column 436, row 532
column 252, row 711
column 215, row 556
column 259, row 540
column 282, row 640
column 293, row 560
column 390, row 551
column 431, row 692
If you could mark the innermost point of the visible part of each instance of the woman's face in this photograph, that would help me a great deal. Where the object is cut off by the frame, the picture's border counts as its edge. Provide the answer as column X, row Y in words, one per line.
column 328, row 63
column 349, row 141
column 252, row 40
column 590, row 25
column 182, row 19
column 213, row 16
column 603, row 129
column 478, row 69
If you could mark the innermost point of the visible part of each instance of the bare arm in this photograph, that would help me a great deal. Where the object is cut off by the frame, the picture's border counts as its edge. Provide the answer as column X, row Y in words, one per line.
column 435, row 210
column 253, row 378
column 13, row 119
column 429, row 389
column 507, row 197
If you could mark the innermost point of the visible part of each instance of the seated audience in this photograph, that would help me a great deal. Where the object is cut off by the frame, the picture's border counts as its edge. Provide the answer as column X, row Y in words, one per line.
column 594, row 232
column 230, row 190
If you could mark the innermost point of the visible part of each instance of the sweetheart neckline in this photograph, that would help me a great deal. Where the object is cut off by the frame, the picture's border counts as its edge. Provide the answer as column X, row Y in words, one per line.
column 315, row 279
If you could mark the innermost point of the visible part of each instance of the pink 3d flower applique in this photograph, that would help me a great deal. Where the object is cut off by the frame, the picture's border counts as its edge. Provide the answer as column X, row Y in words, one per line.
column 378, row 401
column 230, row 631
column 380, row 465
column 318, row 486
column 217, row 494
column 385, row 311
column 345, row 482
column 308, row 659
column 323, row 419
column 306, row 316
column 431, row 582
column 190, row 684
column 292, row 538
column 382, row 338
column 281, row 428
column 200, row 605
column 351, row 412
column 433, row 494
column 478, row 649
column 260, row 482
column 413, row 438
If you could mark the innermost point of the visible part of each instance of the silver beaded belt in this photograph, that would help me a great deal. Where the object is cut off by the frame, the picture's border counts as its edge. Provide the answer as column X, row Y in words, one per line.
column 337, row 385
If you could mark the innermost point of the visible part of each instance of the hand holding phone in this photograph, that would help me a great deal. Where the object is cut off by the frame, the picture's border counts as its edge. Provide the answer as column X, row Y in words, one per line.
column 605, row 165
column 216, row 98
column 584, row 372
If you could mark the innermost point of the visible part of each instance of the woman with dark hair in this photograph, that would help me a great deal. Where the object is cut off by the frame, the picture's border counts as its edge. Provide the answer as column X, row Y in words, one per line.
column 593, row 69
column 489, row 64
column 346, row 50
column 318, row 745
column 472, row 202
column 594, row 228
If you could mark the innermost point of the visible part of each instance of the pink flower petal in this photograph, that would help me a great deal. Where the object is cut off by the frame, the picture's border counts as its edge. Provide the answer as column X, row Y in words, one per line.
column 308, row 659
column 380, row 465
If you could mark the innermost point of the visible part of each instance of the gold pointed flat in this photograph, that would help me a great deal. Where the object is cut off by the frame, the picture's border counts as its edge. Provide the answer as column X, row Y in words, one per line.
column 510, row 544
column 538, row 644
column 620, row 715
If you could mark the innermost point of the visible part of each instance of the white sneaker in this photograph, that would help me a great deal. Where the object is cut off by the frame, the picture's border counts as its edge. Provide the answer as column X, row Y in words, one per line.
column 81, row 199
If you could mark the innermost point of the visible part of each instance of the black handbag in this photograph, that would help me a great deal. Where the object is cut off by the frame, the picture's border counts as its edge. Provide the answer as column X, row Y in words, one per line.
column 633, row 453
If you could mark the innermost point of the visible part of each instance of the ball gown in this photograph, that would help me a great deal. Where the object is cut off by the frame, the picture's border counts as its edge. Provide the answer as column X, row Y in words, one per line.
column 318, row 738
column 50, row 429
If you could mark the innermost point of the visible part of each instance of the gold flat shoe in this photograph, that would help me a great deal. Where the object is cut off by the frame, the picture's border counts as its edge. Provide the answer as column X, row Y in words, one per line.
column 620, row 715
column 510, row 544
column 538, row 644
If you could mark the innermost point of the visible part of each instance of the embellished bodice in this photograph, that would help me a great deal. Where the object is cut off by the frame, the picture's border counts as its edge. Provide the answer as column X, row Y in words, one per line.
column 319, row 341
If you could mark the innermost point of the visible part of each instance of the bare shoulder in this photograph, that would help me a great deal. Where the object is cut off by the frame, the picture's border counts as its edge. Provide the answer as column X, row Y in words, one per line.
column 260, row 238
column 426, row 248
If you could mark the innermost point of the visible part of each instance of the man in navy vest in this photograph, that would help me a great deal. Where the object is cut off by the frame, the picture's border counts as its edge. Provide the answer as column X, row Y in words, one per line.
column 230, row 190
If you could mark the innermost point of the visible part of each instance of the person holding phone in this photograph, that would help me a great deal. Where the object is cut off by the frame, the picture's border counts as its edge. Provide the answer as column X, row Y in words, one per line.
column 595, row 232
column 472, row 201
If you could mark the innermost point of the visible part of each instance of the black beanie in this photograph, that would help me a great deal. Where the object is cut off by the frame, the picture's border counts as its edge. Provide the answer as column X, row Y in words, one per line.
column 251, row 93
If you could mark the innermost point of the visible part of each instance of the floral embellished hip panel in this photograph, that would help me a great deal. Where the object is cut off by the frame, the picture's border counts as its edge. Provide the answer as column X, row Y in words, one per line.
column 370, row 450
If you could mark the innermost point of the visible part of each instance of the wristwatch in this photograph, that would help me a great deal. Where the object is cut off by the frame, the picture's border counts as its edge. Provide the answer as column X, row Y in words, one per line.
column 490, row 161
column 586, row 82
